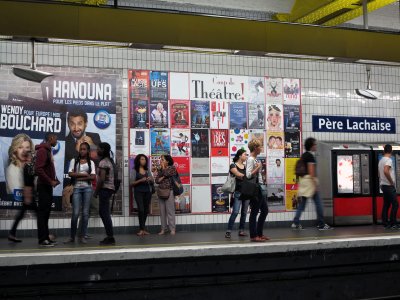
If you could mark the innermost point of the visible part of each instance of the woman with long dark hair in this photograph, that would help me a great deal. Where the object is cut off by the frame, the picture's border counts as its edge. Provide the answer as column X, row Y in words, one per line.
column 82, row 172
column 141, row 182
column 238, row 169
column 167, row 206
column 104, row 189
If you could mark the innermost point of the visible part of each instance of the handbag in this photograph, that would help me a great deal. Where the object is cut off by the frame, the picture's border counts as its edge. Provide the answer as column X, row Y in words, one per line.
column 306, row 186
column 163, row 193
column 229, row 185
column 249, row 189
column 177, row 186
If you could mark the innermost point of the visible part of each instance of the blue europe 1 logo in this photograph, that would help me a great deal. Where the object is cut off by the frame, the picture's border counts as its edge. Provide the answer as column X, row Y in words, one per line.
column 102, row 119
column 56, row 148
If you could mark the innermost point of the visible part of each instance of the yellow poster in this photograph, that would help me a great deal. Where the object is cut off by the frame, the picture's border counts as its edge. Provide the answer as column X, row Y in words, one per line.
column 291, row 200
column 290, row 166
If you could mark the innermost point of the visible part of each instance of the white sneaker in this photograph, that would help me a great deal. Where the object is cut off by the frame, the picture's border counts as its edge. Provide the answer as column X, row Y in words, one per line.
column 297, row 227
column 324, row 227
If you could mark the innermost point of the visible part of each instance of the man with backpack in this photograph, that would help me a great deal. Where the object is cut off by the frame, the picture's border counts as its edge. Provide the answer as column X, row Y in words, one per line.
column 46, row 181
column 308, row 185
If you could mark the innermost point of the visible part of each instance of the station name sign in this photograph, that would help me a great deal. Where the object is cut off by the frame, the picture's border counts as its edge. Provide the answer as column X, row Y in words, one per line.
column 353, row 124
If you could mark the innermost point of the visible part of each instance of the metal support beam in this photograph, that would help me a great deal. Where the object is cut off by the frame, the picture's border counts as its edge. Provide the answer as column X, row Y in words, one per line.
column 144, row 27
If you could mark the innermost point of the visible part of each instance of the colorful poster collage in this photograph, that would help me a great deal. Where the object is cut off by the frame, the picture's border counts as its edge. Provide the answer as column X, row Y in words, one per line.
column 202, row 120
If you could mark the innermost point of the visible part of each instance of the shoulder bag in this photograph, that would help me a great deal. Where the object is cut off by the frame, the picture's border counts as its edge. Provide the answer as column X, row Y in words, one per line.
column 229, row 185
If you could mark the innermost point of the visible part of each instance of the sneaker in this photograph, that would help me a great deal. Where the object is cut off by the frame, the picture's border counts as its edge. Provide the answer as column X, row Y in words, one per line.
column 324, row 227
column 108, row 241
column 82, row 241
column 46, row 243
column 228, row 235
column 297, row 227
column 394, row 227
column 88, row 237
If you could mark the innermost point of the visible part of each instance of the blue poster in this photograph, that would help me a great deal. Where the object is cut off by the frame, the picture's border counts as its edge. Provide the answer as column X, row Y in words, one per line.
column 158, row 85
column 200, row 114
column 238, row 115
column 160, row 141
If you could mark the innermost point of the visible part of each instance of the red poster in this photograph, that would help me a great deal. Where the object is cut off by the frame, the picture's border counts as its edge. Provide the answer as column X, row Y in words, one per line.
column 139, row 84
column 182, row 165
column 219, row 142
column 179, row 113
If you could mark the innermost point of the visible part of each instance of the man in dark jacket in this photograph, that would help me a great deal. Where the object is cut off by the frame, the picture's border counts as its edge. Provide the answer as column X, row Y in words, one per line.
column 47, row 180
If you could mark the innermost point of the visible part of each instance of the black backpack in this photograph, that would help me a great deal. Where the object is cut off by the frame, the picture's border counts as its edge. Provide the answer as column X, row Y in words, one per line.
column 301, row 168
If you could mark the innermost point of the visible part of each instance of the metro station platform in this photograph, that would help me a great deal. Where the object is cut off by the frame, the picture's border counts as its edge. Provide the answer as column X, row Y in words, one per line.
column 354, row 262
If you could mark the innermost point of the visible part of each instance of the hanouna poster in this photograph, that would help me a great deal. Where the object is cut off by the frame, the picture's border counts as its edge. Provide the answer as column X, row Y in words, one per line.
column 180, row 142
column 179, row 113
column 239, row 139
column 158, row 85
column 139, row 142
column 217, row 87
column 219, row 142
column 256, row 90
column 291, row 91
column 273, row 89
column 219, row 115
column 200, row 170
column 139, row 84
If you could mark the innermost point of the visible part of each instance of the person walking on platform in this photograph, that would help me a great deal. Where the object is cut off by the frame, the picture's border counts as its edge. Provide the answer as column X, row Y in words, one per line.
column 82, row 172
column 141, row 182
column 47, row 180
column 259, row 202
column 167, row 205
column 238, row 169
column 104, row 190
column 308, row 186
column 387, row 183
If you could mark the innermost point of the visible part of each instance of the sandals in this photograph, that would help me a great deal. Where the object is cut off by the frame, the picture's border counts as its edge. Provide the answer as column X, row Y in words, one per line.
column 257, row 239
column 242, row 233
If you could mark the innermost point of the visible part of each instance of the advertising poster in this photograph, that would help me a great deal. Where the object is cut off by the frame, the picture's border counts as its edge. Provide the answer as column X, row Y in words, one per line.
column 275, row 117
column 290, row 170
column 200, row 143
column 291, row 91
column 201, row 198
column 180, row 142
column 182, row 202
column 158, row 85
column 292, row 117
column 178, row 86
column 259, row 134
column 239, row 139
column 292, row 201
column 159, row 114
column 219, row 169
column 219, row 114
column 91, row 111
column 276, row 197
column 200, row 114
column 292, row 144
column 273, row 87
column 275, row 170
column 155, row 164
column 256, row 92
column 179, row 111
column 23, row 124
column 200, row 170
column 182, row 165
column 139, row 142
column 218, row 87
column 139, row 84
column 275, row 144
column 256, row 116
column 238, row 115
column 220, row 200
column 219, row 142
column 139, row 114
column 345, row 174
column 263, row 161
column 160, row 141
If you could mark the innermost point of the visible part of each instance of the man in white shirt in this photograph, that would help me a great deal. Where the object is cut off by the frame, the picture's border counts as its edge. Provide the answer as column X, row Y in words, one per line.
column 277, row 172
column 387, row 182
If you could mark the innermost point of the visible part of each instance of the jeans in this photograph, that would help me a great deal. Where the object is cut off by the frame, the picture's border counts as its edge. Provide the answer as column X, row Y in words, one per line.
column 143, row 202
column 45, row 194
column 237, row 203
column 318, row 205
column 81, row 198
column 20, row 215
column 256, row 205
column 389, row 199
column 104, row 210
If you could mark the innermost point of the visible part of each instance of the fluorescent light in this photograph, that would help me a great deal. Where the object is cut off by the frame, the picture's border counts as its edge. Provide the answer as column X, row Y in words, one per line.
column 298, row 56
column 377, row 62
column 86, row 42
column 194, row 49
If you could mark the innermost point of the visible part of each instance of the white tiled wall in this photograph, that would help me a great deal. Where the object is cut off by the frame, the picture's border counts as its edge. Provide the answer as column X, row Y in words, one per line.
column 327, row 88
